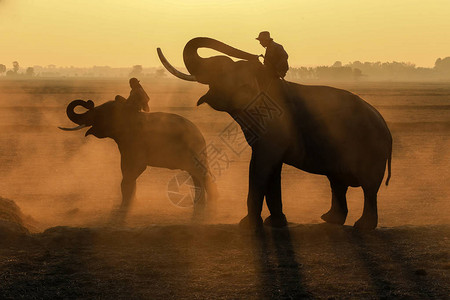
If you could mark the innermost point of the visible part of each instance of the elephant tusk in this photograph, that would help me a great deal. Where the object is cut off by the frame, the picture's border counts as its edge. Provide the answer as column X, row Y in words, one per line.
column 200, row 101
column 74, row 128
column 172, row 70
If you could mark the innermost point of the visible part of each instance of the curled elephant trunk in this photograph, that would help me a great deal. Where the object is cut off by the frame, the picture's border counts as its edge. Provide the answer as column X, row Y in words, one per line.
column 80, row 119
column 197, row 66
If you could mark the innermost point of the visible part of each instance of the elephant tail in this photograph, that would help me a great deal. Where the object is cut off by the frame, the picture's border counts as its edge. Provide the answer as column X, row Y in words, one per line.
column 389, row 167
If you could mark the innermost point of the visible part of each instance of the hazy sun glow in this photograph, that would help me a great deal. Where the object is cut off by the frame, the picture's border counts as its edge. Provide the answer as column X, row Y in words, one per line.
column 123, row 33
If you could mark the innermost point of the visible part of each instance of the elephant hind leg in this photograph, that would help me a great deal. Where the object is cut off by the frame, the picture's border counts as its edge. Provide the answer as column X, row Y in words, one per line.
column 338, row 211
column 369, row 218
column 199, row 200
column 205, row 190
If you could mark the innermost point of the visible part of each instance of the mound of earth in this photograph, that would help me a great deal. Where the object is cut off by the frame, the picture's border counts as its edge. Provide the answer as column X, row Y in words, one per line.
column 13, row 221
column 11, row 218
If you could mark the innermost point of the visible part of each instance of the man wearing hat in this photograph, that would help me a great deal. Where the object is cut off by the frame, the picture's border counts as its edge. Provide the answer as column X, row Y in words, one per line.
column 276, row 57
column 138, row 98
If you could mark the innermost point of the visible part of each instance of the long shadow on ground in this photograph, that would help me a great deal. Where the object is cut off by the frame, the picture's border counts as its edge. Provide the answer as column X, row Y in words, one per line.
column 223, row 262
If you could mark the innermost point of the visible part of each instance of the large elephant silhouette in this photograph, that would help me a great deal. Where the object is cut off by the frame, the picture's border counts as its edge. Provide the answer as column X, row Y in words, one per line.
column 148, row 139
column 318, row 129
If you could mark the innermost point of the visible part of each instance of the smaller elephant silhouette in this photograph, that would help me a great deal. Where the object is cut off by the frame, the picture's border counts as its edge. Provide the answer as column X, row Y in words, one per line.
column 147, row 139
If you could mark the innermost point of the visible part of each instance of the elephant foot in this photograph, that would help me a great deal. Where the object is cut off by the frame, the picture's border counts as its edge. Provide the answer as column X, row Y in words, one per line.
column 254, row 223
column 199, row 216
column 117, row 218
column 276, row 221
column 367, row 222
column 334, row 217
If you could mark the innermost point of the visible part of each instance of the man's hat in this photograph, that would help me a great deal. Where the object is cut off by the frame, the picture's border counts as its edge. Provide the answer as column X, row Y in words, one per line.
column 264, row 36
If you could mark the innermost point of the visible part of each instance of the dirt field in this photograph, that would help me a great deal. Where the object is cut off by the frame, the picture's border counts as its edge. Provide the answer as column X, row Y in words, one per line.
column 64, row 179
column 221, row 262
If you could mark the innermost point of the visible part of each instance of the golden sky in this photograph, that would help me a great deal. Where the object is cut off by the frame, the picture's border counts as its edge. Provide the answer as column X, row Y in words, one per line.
column 314, row 32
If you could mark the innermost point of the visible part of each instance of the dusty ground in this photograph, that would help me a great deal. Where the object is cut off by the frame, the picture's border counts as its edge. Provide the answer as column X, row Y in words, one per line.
column 221, row 262
column 59, row 178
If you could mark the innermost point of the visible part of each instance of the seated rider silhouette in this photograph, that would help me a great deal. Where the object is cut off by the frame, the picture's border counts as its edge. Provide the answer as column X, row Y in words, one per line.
column 138, row 99
column 275, row 59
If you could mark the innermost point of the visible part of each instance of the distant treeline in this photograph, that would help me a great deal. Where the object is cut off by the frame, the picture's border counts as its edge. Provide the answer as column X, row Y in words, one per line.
column 95, row 71
column 371, row 71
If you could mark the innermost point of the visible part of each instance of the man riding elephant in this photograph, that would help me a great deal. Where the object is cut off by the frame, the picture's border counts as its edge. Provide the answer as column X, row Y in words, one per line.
column 275, row 59
column 138, row 99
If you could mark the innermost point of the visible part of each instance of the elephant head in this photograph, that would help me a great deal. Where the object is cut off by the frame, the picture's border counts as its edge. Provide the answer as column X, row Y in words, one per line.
column 231, row 84
column 106, row 120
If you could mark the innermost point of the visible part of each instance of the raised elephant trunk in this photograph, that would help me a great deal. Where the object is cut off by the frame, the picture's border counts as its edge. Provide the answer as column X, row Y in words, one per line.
column 194, row 62
column 80, row 119
column 198, row 66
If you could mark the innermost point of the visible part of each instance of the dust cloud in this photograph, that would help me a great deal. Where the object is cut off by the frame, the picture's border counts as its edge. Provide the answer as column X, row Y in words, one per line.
column 64, row 178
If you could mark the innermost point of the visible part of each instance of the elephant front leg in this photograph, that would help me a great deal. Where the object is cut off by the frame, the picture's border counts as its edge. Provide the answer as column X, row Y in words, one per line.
column 128, row 187
column 259, row 176
column 273, row 200
column 131, row 170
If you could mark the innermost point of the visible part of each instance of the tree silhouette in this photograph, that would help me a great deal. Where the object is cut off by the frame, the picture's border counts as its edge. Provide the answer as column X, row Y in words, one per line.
column 160, row 73
column 136, row 71
column 442, row 65
column 30, row 71
column 2, row 68
column 15, row 67
column 357, row 73
column 337, row 64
